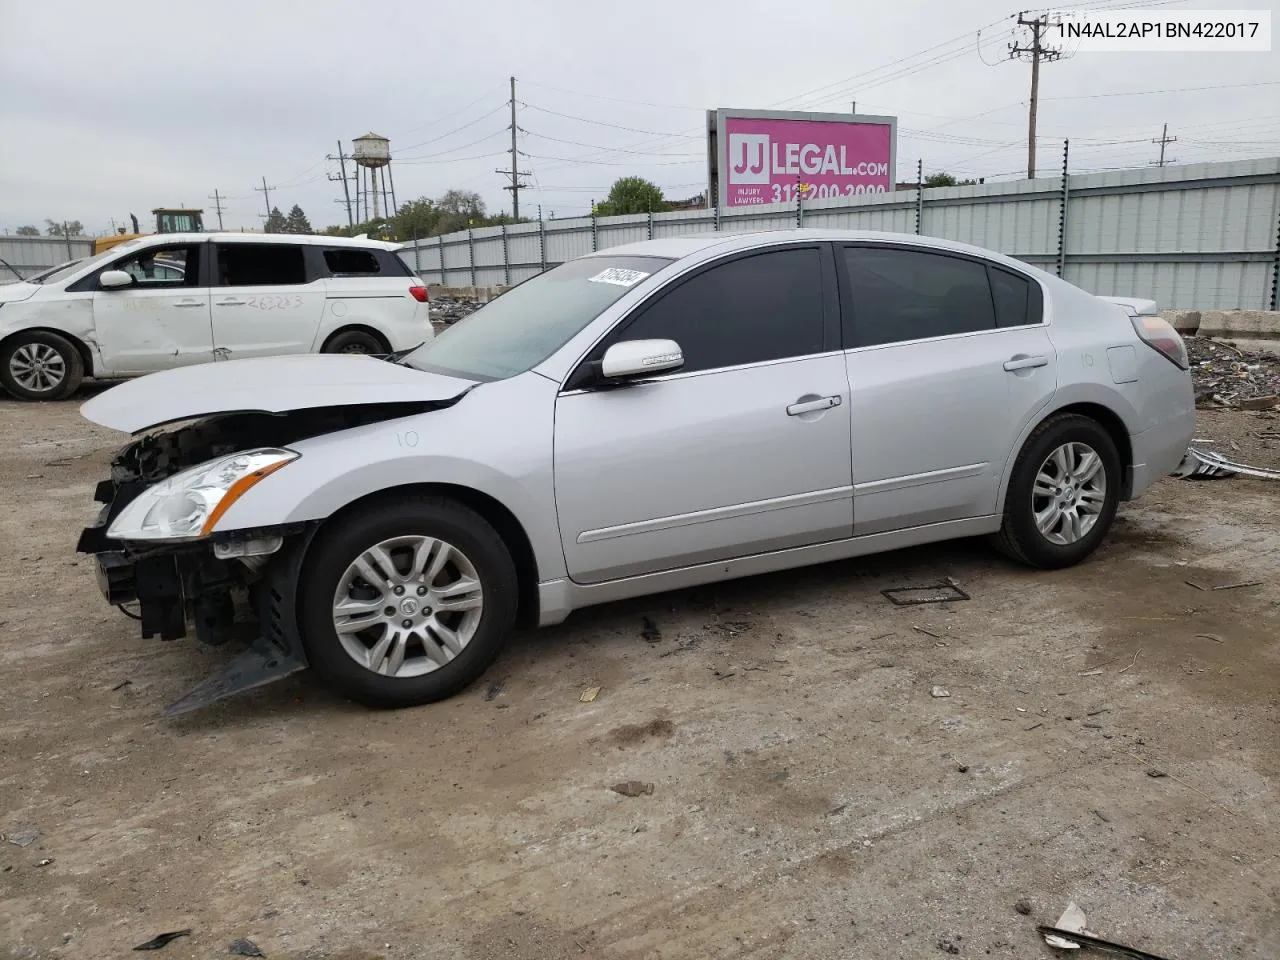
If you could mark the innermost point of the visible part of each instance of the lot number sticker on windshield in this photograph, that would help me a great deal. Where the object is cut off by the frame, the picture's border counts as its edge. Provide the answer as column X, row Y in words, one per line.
column 619, row 276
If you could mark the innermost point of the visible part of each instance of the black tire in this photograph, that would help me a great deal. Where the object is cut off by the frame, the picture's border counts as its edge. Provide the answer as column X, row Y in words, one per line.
column 339, row 546
column 20, row 346
column 1019, row 536
column 356, row 341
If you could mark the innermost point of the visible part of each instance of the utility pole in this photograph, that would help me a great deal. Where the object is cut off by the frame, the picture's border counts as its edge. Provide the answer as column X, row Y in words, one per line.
column 1164, row 141
column 515, row 173
column 346, row 192
column 266, row 200
column 1038, row 52
column 217, row 205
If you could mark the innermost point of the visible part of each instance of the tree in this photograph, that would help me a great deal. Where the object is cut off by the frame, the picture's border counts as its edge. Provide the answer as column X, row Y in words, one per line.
column 416, row 218
column 944, row 179
column 459, row 209
column 28, row 231
column 276, row 222
column 297, row 221
column 62, row 228
column 632, row 195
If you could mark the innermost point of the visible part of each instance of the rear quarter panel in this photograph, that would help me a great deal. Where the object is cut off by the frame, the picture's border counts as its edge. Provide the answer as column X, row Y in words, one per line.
column 380, row 303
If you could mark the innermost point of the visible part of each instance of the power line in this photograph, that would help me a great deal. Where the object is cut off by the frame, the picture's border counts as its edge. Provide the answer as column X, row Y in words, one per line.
column 1038, row 52
column 414, row 146
column 596, row 96
column 515, row 173
column 1164, row 141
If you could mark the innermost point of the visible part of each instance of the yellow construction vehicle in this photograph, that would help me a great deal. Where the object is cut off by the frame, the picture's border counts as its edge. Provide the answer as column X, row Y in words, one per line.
column 168, row 220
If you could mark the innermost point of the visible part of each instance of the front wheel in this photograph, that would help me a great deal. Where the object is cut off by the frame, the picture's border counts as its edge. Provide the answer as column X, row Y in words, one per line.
column 38, row 365
column 1063, row 493
column 407, row 602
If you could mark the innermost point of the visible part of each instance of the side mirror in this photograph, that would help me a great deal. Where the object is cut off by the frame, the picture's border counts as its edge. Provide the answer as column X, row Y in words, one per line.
column 114, row 279
column 640, row 358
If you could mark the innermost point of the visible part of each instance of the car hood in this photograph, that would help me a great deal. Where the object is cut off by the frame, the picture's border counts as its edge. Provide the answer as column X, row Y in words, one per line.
column 268, row 385
column 13, row 292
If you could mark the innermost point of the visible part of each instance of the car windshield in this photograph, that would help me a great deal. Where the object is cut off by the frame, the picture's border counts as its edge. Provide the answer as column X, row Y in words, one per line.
column 531, row 321
column 60, row 273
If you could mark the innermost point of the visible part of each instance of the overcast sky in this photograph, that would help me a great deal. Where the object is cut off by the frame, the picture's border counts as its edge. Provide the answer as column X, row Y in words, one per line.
column 113, row 109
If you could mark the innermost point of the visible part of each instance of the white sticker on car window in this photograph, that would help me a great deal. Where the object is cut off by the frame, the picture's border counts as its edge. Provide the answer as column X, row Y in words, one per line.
column 619, row 276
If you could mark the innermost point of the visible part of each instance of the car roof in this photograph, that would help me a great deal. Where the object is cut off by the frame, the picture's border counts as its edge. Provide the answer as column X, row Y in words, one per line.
column 319, row 240
column 681, row 247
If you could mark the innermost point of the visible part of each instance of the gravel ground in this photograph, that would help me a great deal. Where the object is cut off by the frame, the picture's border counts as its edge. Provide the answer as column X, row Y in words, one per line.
column 1109, row 738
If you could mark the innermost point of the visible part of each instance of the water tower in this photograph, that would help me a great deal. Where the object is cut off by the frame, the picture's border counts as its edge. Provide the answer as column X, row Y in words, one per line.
column 372, row 154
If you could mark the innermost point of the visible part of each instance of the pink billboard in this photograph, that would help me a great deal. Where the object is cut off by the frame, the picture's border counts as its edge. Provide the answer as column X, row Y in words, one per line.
column 771, row 158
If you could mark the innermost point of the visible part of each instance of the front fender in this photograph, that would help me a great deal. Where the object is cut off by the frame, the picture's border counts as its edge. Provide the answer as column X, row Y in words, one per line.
column 505, row 429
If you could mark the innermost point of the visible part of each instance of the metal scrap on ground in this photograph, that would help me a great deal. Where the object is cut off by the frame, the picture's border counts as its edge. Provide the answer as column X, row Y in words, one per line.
column 161, row 940
column 940, row 592
column 1229, row 377
column 1202, row 464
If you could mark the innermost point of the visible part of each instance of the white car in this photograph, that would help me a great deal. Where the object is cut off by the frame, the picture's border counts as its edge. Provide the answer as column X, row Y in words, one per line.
column 172, row 300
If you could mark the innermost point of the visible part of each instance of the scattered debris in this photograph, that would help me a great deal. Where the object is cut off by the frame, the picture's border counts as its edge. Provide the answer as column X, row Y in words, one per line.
column 1227, row 376
column 1074, row 939
column 1208, row 636
column 1201, row 464
column 650, row 632
column 962, row 768
column 493, row 689
column 1236, row 586
column 24, row 837
column 1156, row 774
column 1092, row 726
column 245, row 948
column 1132, row 662
column 1034, row 726
column 1023, row 906
column 942, row 592
column 162, row 940
column 1091, row 673
column 121, row 685
column 1094, row 713
column 1192, row 583
column 45, row 862
column 633, row 788
column 939, row 692
column 1101, row 816
column 836, row 811
column 950, row 945
column 589, row 694
column 1071, row 921
column 450, row 310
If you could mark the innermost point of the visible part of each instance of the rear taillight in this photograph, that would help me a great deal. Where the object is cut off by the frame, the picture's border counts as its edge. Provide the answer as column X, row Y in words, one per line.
column 418, row 293
column 1159, row 334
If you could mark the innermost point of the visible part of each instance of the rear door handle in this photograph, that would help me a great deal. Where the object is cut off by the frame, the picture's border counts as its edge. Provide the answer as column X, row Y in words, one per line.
column 231, row 303
column 810, row 406
column 1023, row 362
column 190, row 303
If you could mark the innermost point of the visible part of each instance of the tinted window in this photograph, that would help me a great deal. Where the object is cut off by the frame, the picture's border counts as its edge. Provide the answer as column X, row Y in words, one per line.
column 532, row 320
column 763, row 307
column 1017, row 303
column 158, row 267
column 260, row 264
column 909, row 295
column 351, row 263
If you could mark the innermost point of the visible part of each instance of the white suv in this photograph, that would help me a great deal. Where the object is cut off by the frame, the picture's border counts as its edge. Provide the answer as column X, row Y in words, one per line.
column 171, row 300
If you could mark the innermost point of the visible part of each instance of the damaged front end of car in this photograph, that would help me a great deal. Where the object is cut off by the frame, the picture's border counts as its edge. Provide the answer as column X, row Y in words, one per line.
column 156, row 548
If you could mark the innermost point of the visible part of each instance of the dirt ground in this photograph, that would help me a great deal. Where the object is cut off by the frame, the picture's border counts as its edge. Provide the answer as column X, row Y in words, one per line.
column 1110, row 737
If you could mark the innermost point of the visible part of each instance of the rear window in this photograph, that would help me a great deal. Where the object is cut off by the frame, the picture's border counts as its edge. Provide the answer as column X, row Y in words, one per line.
column 352, row 263
column 260, row 265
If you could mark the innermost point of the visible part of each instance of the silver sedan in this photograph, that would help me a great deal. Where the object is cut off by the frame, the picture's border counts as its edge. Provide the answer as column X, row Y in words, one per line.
column 648, row 417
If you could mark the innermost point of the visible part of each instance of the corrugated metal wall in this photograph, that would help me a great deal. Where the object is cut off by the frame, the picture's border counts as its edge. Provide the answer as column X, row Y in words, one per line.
column 30, row 255
column 1202, row 236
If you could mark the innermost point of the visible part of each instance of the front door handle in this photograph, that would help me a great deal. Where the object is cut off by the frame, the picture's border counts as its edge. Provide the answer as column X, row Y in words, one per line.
column 1023, row 362
column 231, row 303
column 810, row 406
column 190, row 303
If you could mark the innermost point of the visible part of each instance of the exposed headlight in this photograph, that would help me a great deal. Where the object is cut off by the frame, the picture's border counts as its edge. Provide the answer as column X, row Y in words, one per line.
column 188, row 505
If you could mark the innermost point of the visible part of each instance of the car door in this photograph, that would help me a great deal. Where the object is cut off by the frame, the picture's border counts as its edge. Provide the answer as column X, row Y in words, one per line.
column 940, row 390
column 162, row 319
column 266, row 300
column 743, row 450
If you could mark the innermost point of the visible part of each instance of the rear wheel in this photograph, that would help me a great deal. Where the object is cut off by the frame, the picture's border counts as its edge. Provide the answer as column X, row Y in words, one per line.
column 356, row 341
column 407, row 602
column 39, row 365
column 1063, row 493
